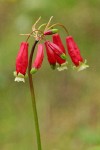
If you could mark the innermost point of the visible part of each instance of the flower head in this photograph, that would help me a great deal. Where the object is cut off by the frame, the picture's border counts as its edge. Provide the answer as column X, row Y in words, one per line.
column 38, row 60
column 55, row 50
column 21, row 62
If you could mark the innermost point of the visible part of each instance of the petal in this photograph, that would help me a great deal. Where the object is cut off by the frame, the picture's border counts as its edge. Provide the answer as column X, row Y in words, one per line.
column 62, row 67
column 82, row 66
column 19, row 79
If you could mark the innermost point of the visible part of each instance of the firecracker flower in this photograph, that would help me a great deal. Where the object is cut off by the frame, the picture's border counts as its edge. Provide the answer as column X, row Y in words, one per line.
column 75, row 55
column 51, row 56
column 21, row 62
column 62, row 64
column 56, row 52
column 38, row 60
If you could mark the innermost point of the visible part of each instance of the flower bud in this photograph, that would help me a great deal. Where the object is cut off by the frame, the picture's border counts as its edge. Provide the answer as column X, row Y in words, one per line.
column 50, row 32
column 38, row 60
column 21, row 62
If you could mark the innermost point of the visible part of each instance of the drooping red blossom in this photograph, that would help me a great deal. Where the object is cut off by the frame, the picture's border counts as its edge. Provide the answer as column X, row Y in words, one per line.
column 56, row 50
column 21, row 62
column 57, row 40
column 73, row 51
column 50, row 32
column 50, row 55
column 22, row 59
column 38, row 60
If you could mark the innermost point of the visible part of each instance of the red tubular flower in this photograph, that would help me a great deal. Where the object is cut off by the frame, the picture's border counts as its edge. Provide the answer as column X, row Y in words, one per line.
column 74, row 53
column 62, row 63
column 38, row 60
column 50, row 32
column 56, row 50
column 58, row 42
column 50, row 55
column 21, row 62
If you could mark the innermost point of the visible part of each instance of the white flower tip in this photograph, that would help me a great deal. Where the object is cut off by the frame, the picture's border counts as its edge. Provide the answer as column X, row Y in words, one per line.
column 62, row 67
column 19, row 79
column 81, row 67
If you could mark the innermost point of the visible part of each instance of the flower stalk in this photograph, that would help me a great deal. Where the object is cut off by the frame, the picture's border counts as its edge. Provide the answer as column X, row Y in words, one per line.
column 33, row 98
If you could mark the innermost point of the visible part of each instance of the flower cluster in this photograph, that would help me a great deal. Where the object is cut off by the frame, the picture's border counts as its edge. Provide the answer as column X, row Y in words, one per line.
column 55, row 50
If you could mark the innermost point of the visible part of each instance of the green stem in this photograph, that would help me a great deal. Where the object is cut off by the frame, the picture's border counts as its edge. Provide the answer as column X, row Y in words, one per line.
column 33, row 98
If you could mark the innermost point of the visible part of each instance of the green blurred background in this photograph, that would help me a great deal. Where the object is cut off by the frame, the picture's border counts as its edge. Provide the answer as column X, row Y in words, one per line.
column 68, row 102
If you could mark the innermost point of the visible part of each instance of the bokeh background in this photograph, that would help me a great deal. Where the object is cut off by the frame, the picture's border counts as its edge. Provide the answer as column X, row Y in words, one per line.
column 68, row 102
